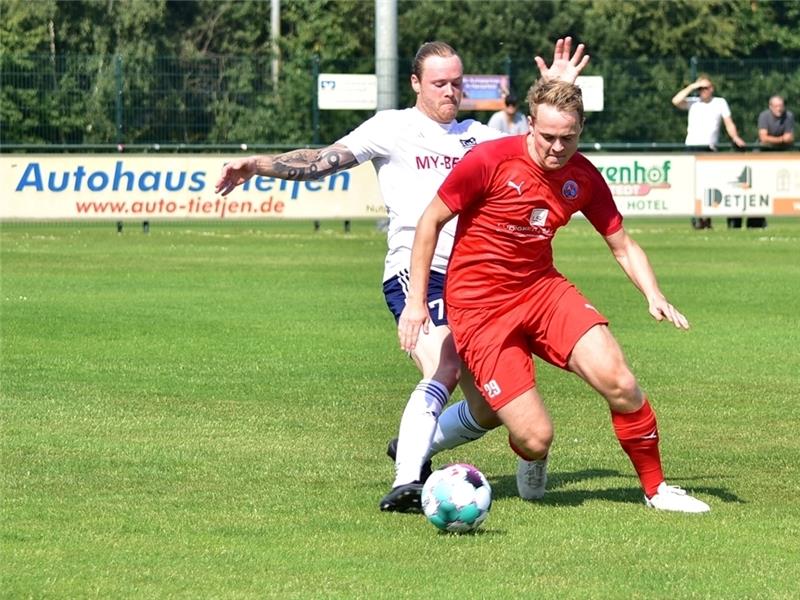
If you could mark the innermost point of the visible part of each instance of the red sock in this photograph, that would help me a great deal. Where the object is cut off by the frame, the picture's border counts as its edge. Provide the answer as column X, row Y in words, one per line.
column 637, row 433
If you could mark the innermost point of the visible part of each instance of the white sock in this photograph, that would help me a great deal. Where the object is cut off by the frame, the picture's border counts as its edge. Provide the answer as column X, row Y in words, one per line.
column 416, row 429
column 455, row 426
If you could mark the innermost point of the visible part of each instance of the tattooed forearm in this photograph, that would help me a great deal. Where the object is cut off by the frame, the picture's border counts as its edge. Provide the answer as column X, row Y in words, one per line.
column 308, row 164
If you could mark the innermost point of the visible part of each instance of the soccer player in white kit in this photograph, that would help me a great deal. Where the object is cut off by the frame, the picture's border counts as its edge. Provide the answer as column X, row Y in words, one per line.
column 413, row 150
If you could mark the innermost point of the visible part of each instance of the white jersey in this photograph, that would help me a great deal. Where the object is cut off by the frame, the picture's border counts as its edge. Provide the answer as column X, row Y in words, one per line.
column 704, row 120
column 412, row 155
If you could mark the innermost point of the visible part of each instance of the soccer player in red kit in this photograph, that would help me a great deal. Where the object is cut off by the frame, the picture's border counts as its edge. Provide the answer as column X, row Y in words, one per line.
column 506, row 301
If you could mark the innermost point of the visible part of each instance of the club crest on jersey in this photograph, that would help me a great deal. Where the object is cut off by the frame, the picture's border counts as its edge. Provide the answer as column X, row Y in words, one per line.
column 469, row 142
column 569, row 191
column 538, row 217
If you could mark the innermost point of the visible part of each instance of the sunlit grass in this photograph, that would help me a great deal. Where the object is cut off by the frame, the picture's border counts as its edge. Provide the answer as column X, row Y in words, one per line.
column 202, row 411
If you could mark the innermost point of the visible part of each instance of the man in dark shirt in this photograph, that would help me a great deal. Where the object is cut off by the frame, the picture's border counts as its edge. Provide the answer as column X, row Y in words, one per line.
column 775, row 132
column 776, row 126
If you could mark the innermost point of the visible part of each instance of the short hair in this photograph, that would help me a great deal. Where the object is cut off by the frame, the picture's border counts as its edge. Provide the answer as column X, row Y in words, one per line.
column 566, row 97
column 431, row 49
column 511, row 100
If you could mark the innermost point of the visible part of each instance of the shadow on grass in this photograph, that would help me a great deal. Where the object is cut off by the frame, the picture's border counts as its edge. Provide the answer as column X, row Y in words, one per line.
column 505, row 486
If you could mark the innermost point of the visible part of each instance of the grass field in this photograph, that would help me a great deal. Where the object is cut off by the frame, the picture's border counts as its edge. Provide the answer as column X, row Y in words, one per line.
column 202, row 412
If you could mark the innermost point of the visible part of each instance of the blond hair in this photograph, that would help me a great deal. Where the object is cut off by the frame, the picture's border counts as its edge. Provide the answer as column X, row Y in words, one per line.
column 566, row 97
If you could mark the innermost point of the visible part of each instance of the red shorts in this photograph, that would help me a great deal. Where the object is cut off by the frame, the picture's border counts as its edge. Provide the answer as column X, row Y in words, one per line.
column 497, row 342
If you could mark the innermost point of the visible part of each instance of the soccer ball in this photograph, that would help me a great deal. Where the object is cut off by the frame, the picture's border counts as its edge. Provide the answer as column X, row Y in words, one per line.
column 457, row 498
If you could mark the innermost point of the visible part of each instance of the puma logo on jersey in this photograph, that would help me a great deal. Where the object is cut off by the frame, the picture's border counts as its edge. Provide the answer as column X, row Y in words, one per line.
column 516, row 186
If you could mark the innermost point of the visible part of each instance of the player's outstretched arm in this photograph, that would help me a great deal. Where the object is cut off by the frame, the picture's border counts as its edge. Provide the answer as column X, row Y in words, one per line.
column 636, row 265
column 564, row 67
column 415, row 313
column 303, row 165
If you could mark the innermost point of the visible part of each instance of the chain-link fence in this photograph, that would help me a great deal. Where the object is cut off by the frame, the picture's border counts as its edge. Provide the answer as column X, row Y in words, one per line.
column 61, row 102
column 98, row 100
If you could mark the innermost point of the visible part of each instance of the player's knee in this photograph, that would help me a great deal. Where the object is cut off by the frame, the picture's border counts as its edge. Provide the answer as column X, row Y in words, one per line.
column 623, row 392
column 536, row 442
column 626, row 384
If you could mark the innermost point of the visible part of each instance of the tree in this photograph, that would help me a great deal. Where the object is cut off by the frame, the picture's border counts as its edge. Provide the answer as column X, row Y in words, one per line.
column 199, row 72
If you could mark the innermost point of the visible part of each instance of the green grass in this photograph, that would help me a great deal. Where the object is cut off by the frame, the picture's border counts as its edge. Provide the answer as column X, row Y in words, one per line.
column 202, row 412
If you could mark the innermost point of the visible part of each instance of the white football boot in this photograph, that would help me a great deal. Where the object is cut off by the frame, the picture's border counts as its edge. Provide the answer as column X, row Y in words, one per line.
column 532, row 478
column 670, row 497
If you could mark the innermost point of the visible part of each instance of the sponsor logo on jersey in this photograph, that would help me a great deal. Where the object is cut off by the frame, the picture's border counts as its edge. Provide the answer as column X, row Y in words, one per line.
column 435, row 161
column 538, row 217
column 569, row 191
column 516, row 186
column 469, row 142
column 536, row 227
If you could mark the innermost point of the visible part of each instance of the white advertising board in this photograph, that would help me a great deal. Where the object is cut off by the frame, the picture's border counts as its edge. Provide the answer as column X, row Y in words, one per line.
column 181, row 186
column 338, row 91
column 592, row 92
column 757, row 184
column 649, row 184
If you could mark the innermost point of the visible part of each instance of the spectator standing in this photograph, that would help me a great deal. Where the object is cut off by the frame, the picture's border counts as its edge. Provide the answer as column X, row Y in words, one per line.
column 509, row 120
column 706, row 112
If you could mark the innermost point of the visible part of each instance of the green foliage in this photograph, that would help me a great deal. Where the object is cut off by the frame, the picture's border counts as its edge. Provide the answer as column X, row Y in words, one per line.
column 201, row 72
column 341, row 34
column 26, row 27
column 202, row 412
column 226, row 55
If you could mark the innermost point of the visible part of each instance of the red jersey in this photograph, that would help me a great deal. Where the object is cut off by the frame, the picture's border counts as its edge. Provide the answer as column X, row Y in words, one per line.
column 509, row 210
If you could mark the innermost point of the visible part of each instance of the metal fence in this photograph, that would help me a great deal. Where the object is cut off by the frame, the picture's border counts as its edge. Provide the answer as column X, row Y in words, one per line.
column 58, row 102
column 106, row 99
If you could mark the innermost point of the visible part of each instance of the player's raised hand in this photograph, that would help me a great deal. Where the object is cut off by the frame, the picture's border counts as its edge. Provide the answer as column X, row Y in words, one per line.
column 413, row 319
column 660, row 309
column 564, row 67
column 235, row 173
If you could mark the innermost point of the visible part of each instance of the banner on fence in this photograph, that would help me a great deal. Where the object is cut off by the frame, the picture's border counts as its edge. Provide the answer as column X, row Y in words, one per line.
column 340, row 91
column 757, row 184
column 143, row 187
column 649, row 184
column 484, row 92
column 118, row 187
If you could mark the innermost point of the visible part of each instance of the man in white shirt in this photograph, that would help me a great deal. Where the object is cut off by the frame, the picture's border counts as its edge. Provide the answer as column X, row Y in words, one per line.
column 413, row 150
column 706, row 113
